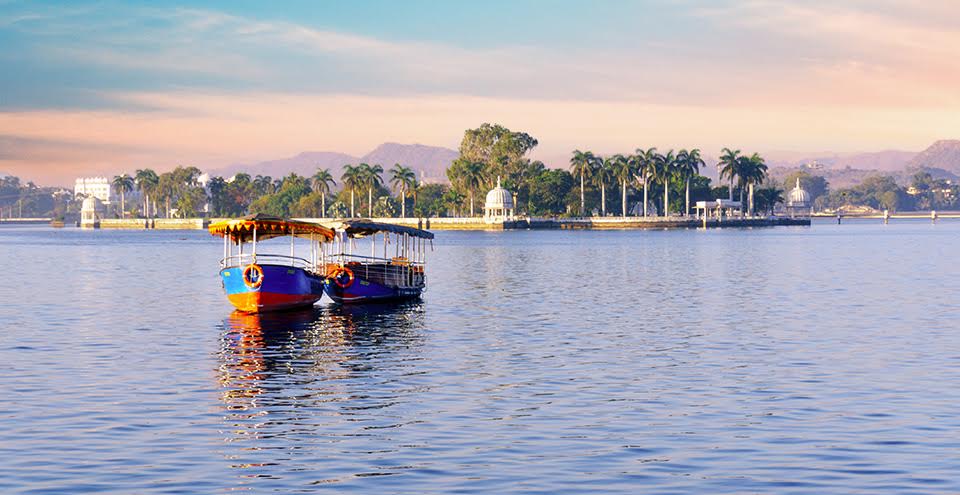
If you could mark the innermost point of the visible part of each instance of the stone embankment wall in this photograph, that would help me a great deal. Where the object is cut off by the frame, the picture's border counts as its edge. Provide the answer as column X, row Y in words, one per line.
column 155, row 223
column 581, row 223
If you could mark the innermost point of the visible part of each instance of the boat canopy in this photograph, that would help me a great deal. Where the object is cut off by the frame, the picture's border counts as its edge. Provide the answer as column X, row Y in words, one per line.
column 267, row 227
column 361, row 228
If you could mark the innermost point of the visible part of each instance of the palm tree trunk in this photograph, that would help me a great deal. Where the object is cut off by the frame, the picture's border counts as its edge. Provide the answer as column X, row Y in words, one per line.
column 644, row 196
column 583, row 203
column 623, row 201
column 603, row 198
column 352, row 215
column 731, row 188
column 686, row 211
column 323, row 205
column 370, row 202
column 666, row 198
column 123, row 204
column 403, row 202
column 741, row 201
column 751, row 200
column 471, row 202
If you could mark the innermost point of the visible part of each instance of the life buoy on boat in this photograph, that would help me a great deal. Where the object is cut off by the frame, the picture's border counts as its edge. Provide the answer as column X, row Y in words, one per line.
column 253, row 281
column 343, row 277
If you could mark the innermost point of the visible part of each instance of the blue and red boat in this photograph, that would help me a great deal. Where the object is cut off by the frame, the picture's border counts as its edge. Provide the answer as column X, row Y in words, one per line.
column 268, row 281
column 396, row 275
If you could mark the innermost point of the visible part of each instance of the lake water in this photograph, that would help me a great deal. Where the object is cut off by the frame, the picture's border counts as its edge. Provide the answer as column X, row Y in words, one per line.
column 820, row 359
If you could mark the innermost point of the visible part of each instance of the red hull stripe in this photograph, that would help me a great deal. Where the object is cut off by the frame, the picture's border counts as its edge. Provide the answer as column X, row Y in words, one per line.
column 255, row 302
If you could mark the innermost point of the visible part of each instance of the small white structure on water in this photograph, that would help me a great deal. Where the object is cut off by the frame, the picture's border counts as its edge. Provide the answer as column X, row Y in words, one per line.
column 798, row 202
column 91, row 212
column 499, row 205
column 719, row 208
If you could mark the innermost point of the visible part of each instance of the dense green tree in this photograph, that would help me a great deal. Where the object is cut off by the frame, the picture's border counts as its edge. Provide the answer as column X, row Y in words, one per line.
column 768, row 197
column 430, row 202
column 549, row 191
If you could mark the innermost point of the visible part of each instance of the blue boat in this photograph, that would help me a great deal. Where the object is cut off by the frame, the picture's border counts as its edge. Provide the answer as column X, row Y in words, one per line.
column 258, row 282
column 397, row 275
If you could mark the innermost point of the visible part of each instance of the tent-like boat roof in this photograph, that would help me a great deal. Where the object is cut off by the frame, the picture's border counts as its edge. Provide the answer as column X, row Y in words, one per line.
column 268, row 227
column 361, row 228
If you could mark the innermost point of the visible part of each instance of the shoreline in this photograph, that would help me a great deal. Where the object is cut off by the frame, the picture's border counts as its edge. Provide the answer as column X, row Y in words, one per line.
column 478, row 223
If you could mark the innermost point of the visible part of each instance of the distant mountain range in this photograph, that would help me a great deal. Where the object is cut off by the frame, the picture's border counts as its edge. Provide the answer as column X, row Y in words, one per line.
column 429, row 162
column 941, row 159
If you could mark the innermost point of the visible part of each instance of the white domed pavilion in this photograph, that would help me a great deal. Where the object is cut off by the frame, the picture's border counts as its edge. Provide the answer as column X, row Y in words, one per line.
column 499, row 205
column 798, row 202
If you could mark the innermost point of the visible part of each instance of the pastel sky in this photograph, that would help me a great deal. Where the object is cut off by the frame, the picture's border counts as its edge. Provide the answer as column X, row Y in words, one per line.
column 107, row 87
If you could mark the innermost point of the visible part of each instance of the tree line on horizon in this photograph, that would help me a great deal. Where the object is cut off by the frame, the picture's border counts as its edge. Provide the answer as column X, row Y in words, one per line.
column 649, row 182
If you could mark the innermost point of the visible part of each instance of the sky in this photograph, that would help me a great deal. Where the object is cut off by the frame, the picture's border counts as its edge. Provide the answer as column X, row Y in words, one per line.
column 101, row 88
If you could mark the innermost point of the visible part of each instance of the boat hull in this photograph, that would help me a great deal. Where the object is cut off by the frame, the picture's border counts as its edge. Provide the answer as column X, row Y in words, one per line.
column 362, row 291
column 283, row 287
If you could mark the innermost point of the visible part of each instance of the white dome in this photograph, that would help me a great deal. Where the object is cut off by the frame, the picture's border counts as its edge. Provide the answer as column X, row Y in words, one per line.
column 499, row 197
column 91, row 203
column 798, row 197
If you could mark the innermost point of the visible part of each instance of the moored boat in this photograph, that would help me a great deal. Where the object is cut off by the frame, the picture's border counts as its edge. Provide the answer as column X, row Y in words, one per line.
column 397, row 275
column 268, row 281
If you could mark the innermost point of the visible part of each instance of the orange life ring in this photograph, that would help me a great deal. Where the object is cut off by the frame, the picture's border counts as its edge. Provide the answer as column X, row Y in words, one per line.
column 253, row 284
column 342, row 271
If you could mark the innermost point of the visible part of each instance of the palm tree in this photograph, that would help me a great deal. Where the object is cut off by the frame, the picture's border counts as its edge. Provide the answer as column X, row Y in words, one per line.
column 146, row 181
column 664, row 169
column 320, row 183
column 644, row 162
column 729, row 166
column 753, row 171
column 602, row 172
column 370, row 177
column 401, row 177
column 263, row 184
column 351, row 179
column 582, row 164
column 688, row 166
column 123, row 184
column 472, row 179
column 623, row 170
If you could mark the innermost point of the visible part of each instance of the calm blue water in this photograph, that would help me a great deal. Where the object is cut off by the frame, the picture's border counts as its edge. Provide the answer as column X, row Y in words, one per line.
column 788, row 360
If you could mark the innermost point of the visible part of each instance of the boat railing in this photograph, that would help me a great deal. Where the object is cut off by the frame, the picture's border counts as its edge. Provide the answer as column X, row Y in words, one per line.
column 245, row 259
column 395, row 272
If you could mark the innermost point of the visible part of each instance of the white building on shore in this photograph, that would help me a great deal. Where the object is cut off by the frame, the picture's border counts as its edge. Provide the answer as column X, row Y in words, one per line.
column 94, row 187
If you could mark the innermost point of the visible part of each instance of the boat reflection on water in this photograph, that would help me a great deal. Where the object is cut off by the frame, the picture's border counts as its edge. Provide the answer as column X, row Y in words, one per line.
column 290, row 379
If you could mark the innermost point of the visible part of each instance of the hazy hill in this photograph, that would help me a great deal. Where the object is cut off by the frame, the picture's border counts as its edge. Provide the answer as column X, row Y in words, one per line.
column 305, row 164
column 944, row 154
column 429, row 162
column 888, row 160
